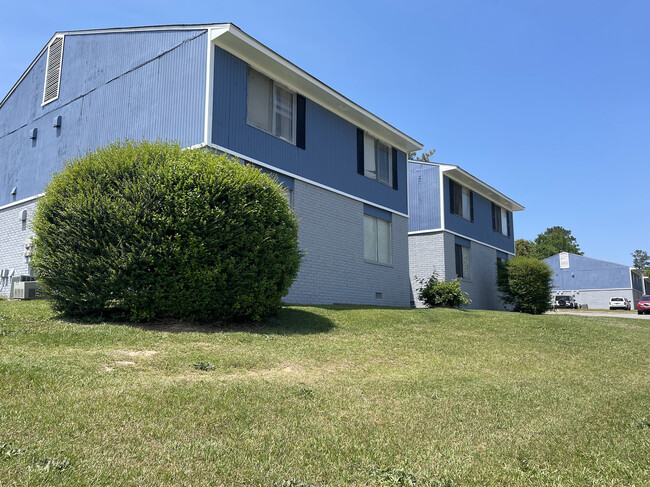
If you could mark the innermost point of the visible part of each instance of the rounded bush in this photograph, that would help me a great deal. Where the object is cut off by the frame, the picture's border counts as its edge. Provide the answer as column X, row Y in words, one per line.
column 434, row 293
column 147, row 230
column 526, row 284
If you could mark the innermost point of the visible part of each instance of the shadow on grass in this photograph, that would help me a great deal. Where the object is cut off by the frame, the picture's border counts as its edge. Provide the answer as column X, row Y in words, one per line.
column 287, row 322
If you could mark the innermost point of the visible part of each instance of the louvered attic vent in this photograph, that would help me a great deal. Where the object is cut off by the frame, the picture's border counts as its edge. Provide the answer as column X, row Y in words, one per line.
column 53, row 71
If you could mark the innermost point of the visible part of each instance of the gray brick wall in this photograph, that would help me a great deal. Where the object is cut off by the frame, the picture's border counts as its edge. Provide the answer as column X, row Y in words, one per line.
column 12, row 242
column 426, row 256
column 436, row 251
column 333, row 269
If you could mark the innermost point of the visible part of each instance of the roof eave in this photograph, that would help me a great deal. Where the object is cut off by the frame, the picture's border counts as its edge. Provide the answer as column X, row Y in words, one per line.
column 267, row 61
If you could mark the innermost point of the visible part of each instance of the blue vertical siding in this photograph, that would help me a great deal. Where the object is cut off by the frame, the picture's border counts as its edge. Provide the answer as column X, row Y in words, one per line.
column 481, row 228
column 424, row 197
column 330, row 156
column 144, row 85
column 587, row 273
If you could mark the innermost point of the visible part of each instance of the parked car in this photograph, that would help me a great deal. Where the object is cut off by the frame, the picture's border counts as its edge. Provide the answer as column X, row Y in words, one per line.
column 565, row 301
column 643, row 304
column 619, row 303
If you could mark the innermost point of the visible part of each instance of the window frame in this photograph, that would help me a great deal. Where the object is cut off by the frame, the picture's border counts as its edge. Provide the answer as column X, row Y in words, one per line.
column 456, row 193
column 376, row 235
column 373, row 173
column 498, row 214
column 272, row 130
column 464, row 259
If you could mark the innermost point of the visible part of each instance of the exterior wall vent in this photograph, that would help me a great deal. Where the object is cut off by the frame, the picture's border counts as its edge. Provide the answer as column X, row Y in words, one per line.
column 53, row 70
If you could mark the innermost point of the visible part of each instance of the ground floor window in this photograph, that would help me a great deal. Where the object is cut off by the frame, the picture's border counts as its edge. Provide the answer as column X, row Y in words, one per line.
column 376, row 239
column 462, row 261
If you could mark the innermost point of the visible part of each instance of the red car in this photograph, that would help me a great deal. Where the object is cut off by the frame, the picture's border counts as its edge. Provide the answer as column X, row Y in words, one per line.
column 643, row 304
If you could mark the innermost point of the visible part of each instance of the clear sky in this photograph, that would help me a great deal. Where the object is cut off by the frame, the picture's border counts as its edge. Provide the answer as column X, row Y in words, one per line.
column 548, row 101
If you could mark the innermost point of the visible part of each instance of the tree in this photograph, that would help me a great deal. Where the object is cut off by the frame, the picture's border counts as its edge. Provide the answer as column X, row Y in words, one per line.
column 640, row 260
column 524, row 248
column 526, row 284
column 146, row 231
column 553, row 241
column 424, row 156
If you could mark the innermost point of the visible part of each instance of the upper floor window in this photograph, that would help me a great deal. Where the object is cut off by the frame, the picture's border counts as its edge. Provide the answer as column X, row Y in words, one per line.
column 271, row 107
column 461, row 201
column 376, row 160
column 501, row 220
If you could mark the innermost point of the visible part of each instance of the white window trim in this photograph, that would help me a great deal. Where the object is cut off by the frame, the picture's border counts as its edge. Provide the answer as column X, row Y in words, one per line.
column 294, row 109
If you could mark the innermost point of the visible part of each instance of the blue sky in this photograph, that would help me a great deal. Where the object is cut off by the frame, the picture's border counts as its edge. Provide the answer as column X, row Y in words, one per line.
column 547, row 101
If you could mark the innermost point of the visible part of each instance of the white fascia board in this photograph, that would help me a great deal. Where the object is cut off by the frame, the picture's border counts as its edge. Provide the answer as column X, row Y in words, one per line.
column 466, row 179
column 437, row 230
column 263, row 59
column 273, row 168
column 20, row 202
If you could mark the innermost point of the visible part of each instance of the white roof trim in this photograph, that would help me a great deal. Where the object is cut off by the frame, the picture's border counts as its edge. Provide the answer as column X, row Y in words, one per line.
column 20, row 202
column 466, row 179
column 237, row 42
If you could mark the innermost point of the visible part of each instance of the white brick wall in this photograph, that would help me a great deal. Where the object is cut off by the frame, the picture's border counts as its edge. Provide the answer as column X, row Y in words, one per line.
column 426, row 256
column 436, row 251
column 333, row 269
column 13, row 235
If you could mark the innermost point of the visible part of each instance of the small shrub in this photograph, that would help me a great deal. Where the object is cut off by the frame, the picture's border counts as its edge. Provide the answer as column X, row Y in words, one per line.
column 204, row 366
column 149, row 231
column 435, row 293
column 526, row 284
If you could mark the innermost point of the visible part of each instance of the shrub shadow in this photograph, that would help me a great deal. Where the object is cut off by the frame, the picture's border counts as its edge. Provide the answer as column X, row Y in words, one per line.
column 287, row 322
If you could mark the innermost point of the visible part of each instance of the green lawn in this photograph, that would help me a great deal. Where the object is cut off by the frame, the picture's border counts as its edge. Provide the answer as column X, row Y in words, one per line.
column 326, row 396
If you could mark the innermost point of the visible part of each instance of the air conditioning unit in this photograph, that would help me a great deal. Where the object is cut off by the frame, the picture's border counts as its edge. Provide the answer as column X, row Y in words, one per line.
column 18, row 289
column 27, row 290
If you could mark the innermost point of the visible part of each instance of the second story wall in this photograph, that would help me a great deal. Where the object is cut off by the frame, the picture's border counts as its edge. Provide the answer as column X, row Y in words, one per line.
column 330, row 154
column 424, row 197
column 480, row 227
column 140, row 85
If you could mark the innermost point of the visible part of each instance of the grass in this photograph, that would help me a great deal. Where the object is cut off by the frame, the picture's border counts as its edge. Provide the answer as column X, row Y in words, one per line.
column 326, row 396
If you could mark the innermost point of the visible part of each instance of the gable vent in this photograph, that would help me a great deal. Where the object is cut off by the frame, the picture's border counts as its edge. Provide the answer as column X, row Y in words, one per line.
column 53, row 71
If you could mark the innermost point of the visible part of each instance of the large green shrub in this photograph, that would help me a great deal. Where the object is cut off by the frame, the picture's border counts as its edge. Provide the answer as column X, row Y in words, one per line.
column 435, row 293
column 526, row 284
column 147, row 230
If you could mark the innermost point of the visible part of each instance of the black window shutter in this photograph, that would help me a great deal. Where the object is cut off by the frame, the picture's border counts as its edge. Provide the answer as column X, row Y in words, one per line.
column 300, row 122
column 508, row 216
column 360, row 151
column 394, row 154
column 471, row 205
column 451, row 196
column 459, row 260
column 494, row 218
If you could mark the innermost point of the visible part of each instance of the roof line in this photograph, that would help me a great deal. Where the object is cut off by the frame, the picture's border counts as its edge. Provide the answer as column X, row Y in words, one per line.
column 474, row 178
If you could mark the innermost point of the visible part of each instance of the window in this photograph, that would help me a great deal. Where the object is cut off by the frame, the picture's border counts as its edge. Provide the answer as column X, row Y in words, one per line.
column 376, row 160
column 376, row 239
column 271, row 107
column 461, row 201
column 500, row 220
column 462, row 261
